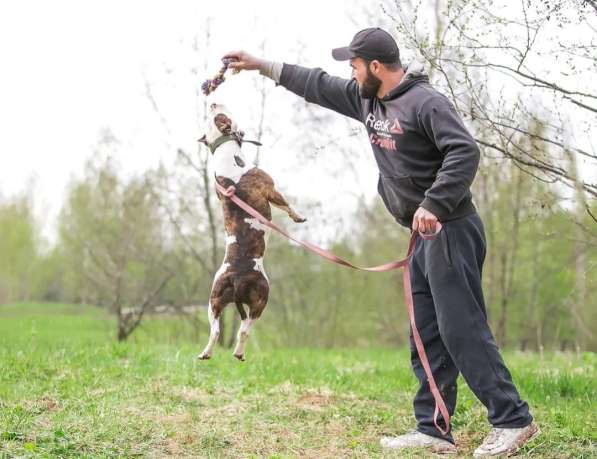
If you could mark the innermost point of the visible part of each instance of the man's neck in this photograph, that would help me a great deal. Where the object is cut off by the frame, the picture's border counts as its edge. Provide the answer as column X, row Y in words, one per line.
column 390, row 82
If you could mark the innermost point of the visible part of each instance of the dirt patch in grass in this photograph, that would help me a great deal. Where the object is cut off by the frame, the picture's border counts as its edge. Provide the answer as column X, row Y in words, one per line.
column 467, row 440
column 49, row 404
column 174, row 420
column 325, row 453
column 193, row 394
column 41, row 405
column 171, row 447
column 317, row 401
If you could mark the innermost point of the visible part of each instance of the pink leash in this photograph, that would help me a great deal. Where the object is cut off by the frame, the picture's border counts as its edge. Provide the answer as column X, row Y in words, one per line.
column 440, row 406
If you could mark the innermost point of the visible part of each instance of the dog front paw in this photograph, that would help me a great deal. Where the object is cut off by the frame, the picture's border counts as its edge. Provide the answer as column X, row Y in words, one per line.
column 299, row 219
column 203, row 356
column 240, row 357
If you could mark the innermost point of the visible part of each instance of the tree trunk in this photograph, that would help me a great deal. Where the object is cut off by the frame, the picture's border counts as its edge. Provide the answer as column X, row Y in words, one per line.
column 491, row 242
column 123, row 333
column 122, row 319
column 579, row 300
column 509, row 265
column 532, row 320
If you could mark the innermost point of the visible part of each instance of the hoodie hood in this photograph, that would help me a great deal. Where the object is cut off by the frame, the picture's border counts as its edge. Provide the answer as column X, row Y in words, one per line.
column 414, row 74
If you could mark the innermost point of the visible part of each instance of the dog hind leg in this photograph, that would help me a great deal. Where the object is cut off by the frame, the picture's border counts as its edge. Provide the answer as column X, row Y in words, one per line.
column 214, row 323
column 241, row 310
column 276, row 198
column 221, row 294
column 242, row 337
column 257, row 302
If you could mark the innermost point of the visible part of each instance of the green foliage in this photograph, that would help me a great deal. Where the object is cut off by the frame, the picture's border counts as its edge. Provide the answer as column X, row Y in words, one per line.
column 19, row 250
column 111, row 237
column 532, row 274
column 119, row 238
column 113, row 244
column 316, row 303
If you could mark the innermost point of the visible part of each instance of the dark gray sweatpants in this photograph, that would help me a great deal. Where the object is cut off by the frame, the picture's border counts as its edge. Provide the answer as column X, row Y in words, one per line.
column 452, row 321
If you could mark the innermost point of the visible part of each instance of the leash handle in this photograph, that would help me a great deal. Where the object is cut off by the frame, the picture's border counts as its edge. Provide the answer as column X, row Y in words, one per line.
column 440, row 406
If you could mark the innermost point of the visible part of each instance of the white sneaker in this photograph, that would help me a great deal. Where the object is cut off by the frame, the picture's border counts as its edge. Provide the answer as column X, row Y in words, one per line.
column 506, row 441
column 418, row 439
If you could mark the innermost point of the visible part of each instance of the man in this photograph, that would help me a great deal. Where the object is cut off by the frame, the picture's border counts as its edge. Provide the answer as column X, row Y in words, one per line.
column 427, row 161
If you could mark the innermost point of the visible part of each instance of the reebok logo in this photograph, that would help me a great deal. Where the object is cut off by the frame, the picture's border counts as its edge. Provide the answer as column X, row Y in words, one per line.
column 396, row 128
column 383, row 125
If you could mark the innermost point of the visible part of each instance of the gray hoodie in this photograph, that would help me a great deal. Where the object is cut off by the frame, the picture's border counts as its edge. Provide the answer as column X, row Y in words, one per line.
column 425, row 154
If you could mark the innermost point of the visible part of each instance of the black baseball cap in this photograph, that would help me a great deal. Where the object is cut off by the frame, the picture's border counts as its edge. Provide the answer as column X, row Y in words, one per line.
column 371, row 44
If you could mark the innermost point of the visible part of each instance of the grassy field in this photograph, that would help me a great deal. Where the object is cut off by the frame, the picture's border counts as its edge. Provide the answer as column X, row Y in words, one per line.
column 67, row 389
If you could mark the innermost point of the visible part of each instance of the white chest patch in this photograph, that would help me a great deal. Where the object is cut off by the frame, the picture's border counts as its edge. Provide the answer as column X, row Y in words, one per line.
column 230, row 239
column 259, row 267
column 230, row 162
column 256, row 224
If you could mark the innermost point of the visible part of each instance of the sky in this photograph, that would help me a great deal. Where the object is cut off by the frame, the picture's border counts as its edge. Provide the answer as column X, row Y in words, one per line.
column 73, row 68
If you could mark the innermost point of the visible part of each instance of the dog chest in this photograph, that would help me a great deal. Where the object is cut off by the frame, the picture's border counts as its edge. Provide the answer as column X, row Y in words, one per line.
column 230, row 162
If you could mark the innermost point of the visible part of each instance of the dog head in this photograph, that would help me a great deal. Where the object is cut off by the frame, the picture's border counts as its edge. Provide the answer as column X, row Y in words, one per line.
column 219, row 122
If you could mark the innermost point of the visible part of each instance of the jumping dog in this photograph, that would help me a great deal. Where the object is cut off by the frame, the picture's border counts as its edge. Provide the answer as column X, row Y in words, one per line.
column 241, row 279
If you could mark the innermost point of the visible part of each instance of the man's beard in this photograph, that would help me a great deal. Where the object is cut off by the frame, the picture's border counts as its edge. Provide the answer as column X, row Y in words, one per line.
column 370, row 86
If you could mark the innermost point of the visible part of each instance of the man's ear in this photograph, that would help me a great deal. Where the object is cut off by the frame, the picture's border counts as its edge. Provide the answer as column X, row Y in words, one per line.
column 202, row 140
column 374, row 66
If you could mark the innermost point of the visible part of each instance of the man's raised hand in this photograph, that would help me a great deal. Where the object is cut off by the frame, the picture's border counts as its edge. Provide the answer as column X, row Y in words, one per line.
column 241, row 60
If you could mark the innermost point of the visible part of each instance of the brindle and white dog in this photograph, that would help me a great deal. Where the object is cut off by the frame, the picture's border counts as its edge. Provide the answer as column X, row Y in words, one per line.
column 241, row 279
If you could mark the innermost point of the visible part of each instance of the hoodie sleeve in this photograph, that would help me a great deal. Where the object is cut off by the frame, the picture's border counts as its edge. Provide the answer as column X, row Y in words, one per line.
column 459, row 151
column 318, row 87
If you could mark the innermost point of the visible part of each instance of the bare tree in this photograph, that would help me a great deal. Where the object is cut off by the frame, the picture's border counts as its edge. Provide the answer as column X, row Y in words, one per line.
column 482, row 43
column 112, row 235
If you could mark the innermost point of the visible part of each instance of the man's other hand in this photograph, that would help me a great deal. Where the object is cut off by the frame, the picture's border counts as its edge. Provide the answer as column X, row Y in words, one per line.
column 424, row 221
column 243, row 61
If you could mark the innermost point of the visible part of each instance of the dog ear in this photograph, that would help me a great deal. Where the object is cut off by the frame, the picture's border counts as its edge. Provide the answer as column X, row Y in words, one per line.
column 223, row 123
column 203, row 140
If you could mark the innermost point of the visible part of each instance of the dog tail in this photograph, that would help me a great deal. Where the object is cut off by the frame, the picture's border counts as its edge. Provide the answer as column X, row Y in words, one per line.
column 241, row 310
column 239, row 288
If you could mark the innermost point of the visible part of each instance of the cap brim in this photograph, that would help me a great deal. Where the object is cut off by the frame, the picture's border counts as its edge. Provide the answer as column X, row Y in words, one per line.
column 342, row 54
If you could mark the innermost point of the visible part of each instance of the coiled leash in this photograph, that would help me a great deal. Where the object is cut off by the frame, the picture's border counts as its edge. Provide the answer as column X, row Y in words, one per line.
column 440, row 406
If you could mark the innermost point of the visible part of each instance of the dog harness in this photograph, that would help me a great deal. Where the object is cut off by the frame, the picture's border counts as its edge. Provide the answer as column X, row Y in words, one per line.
column 232, row 137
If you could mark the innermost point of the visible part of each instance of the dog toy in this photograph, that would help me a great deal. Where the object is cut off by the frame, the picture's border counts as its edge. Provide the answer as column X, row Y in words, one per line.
column 210, row 86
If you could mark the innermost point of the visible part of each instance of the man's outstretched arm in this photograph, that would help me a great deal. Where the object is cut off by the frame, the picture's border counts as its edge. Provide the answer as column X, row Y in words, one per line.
column 314, row 85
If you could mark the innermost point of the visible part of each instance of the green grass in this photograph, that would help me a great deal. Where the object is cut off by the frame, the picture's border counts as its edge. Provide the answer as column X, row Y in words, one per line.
column 67, row 389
